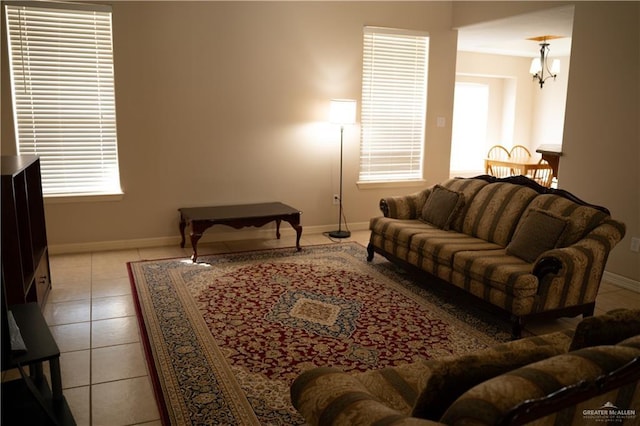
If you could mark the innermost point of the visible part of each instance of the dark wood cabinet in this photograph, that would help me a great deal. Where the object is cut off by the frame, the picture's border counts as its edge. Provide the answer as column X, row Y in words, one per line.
column 25, row 257
column 26, row 282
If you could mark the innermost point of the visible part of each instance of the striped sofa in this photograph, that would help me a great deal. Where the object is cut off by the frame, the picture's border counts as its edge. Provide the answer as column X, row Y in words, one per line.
column 527, row 249
column 589, row 375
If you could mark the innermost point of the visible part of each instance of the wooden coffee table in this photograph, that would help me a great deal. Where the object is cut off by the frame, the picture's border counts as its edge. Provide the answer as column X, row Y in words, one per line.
column 237, row 216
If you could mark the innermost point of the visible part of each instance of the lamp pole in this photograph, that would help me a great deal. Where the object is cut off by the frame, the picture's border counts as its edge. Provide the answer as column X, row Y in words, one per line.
column 342, row 111
column 340, row 233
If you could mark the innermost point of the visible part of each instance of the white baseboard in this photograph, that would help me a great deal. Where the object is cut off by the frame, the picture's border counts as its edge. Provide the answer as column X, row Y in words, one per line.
column 621, row 281
column 217, row 234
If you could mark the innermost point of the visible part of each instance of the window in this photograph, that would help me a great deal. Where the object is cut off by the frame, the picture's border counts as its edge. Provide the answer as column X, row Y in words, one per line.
column 394, row 94
column 61, row 61
column 469, row 133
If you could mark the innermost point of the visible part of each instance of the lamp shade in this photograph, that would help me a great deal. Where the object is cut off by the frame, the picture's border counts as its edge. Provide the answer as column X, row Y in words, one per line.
column 342, row 111
column 536, row 66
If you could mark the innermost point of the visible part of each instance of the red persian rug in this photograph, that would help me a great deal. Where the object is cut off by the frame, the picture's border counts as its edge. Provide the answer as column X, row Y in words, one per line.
column 226, row 337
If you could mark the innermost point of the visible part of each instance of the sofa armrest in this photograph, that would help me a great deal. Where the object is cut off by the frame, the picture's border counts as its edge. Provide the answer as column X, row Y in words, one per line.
column 329, row 396
column 571, row 275
column 405, row 206
column 584, row 390
column 493, row 400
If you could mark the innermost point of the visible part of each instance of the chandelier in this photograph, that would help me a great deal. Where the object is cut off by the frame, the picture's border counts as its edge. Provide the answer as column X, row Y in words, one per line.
column 540, row 68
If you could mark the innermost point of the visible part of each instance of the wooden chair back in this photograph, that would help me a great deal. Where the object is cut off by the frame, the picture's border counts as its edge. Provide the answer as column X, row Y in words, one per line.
column 544, row 176
column 520, row 154
column 498, row 152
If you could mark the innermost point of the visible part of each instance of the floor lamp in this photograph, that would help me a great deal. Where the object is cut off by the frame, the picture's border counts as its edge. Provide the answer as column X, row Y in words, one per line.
column 342, row 111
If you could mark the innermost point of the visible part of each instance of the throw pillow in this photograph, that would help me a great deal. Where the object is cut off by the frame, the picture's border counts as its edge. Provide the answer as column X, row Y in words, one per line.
column 451, row 378
column 540, row 231
column 441, row 206
column 608, row 329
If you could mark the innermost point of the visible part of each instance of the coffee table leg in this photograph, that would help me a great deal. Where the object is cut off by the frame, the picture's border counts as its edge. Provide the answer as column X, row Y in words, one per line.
column 194, row 243
column 298, row 229
column 294, row 221
column 183, row 225
column 278, row 228
column 197, row 229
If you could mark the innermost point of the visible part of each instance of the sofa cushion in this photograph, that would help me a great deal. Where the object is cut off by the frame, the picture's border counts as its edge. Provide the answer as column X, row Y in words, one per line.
column 441, row 246
column 441, row 206
column 497, row 269
column 581, row 219
column 452, row 377
column 538, row 232
column 608, row 329
column 496, row 210
column 398, row 230
column 468, row 188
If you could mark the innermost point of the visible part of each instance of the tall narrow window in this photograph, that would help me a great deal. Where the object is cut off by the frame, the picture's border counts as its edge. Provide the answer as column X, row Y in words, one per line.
column 469, row 133
column 394, row 94
column 61, row 60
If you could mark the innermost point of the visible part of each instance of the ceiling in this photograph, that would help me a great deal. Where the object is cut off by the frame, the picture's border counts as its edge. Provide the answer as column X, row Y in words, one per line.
column 509, row 36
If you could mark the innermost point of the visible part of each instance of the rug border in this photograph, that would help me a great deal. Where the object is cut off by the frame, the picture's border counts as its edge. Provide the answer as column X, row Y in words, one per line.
column 148, row 351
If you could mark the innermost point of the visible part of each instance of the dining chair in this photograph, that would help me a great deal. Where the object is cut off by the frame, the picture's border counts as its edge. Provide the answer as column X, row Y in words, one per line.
column 519, row 154
column 544, row 176
column 498, row 152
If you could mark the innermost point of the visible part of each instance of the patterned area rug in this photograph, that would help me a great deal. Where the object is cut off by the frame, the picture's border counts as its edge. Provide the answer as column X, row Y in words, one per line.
column 227, row 336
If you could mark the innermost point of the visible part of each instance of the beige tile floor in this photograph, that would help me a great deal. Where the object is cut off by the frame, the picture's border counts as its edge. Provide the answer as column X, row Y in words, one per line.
column 91, row 314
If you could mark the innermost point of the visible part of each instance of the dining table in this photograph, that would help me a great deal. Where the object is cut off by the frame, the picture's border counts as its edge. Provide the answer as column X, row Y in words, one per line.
column 516, row 167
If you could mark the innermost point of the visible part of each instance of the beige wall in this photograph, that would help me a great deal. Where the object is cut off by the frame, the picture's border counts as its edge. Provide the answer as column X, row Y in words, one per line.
column 227, row 103
column 601, row 142
column 549, row 106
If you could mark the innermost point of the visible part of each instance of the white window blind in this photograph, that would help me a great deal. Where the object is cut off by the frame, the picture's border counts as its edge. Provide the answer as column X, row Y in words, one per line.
column 61, row 60
column 394, row 93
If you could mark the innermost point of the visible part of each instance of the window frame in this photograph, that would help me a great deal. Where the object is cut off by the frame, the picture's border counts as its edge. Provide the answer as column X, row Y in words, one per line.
column 72, row 123
column 377, row 93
